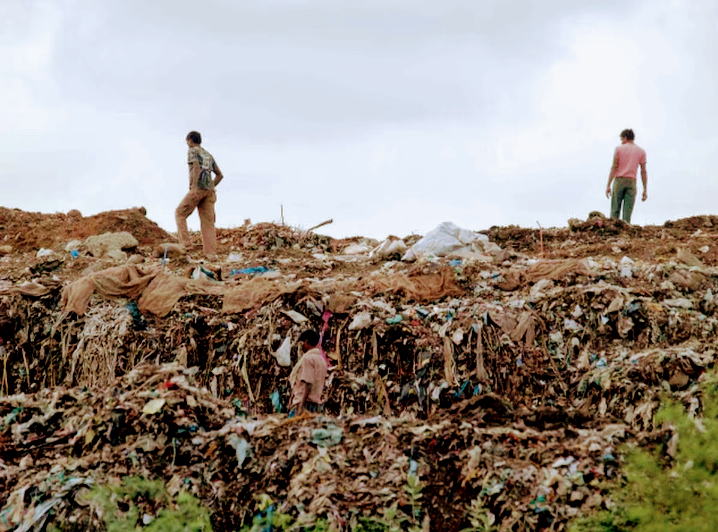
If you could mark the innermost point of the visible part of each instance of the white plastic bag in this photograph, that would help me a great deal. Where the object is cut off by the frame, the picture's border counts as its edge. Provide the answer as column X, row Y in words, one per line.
column 361, row 321
column 284, row 353
column 388, row 248
column 356, row 249
column 445, row 239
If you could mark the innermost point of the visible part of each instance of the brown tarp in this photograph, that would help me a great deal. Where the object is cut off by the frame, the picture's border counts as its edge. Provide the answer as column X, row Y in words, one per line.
column 340, row 303
column 165, row 290
column 31, row 289
column 420, row 287
column 156, row 290
column 255, row 293
column 128, row 281
column 514, row 325
column 555, row 269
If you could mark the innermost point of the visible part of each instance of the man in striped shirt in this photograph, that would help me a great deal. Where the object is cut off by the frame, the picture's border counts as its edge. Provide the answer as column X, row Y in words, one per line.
column 201, row 195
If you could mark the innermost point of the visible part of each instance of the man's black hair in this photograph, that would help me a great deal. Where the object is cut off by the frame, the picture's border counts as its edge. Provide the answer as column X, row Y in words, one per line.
column 309, row 336
column 628, row 134
column 195, row 137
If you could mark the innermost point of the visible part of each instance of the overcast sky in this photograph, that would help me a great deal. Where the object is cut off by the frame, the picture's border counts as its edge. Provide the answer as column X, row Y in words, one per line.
column 389, row 116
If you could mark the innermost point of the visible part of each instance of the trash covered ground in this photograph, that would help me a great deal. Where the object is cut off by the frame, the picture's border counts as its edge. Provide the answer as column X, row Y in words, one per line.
column 507, row 368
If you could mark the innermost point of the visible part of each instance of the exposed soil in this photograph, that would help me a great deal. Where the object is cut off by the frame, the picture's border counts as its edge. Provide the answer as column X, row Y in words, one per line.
column 30, row 231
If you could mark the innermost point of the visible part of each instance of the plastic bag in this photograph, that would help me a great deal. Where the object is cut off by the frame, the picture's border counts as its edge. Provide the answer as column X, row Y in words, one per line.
column 388, row 248
column 200, row 272
column 284, row 353
column 445, row 239
column 361, row 321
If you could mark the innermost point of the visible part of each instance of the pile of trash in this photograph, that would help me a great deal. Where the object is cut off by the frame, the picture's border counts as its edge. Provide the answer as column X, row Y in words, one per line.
column 532, row 469
column 503, row 367
column 269, row 237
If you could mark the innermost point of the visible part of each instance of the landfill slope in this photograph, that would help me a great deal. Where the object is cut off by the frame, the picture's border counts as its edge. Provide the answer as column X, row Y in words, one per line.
column 511, row 378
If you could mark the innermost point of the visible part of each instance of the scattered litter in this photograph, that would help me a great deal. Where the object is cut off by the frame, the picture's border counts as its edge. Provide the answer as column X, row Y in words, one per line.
column 327, row 436
column 360, row 321
column 153, row 406
column 284, row 353
column 254, row 270
column 528, row 370
column 295, row 316
column 445, row 239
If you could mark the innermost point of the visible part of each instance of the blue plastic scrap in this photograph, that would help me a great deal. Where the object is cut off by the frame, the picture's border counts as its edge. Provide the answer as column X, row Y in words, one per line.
column 395, row 319
column 208, row 273
column 276, row 401
column 461, row 390
column 328, row 436
column 239, row 407
column 255, row 270
column 7, row 421
column 632, row 307
column 413, row 467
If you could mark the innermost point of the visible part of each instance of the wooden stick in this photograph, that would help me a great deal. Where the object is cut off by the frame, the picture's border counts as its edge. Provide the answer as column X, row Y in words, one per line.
column 337, row 351
column 480, row 370
column 325, row 222
column 449, row 361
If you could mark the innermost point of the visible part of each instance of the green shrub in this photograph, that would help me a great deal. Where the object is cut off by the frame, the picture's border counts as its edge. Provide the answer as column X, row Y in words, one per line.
column 664, row 494
column 121, row 513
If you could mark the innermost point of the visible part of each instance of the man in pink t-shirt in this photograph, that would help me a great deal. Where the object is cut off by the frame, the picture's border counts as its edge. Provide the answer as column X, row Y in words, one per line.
column 626, row 160
column 308, row 376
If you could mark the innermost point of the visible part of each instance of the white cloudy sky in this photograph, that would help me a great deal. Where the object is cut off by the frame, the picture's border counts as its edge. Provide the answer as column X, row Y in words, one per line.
column 389, row 116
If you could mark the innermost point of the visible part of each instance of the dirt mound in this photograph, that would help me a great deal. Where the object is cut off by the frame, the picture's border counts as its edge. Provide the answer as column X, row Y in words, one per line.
column 30, row 231
column 704, row 222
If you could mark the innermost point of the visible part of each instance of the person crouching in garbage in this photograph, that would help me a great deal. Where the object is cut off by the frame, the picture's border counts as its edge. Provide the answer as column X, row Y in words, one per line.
column 308, row 376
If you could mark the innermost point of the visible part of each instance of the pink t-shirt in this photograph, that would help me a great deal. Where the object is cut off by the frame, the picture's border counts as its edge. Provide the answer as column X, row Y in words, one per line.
column 312, row 370
column 629, row 156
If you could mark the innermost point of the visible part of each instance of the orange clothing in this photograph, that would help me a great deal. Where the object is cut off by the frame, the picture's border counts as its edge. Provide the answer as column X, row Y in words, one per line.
column 203, row 201
column 201, row 196
column 307, row 378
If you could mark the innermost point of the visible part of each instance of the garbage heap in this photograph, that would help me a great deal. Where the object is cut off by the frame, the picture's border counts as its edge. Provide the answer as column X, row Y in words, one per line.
column 532, row 468
column 501, row 377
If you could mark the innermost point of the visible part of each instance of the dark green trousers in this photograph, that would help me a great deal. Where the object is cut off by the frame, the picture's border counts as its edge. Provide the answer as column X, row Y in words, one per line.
column 624, row 193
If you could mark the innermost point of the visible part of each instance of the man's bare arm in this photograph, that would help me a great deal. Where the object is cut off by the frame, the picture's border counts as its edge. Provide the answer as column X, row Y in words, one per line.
column 644, row 179
column 219, row 175
column 611, row 175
